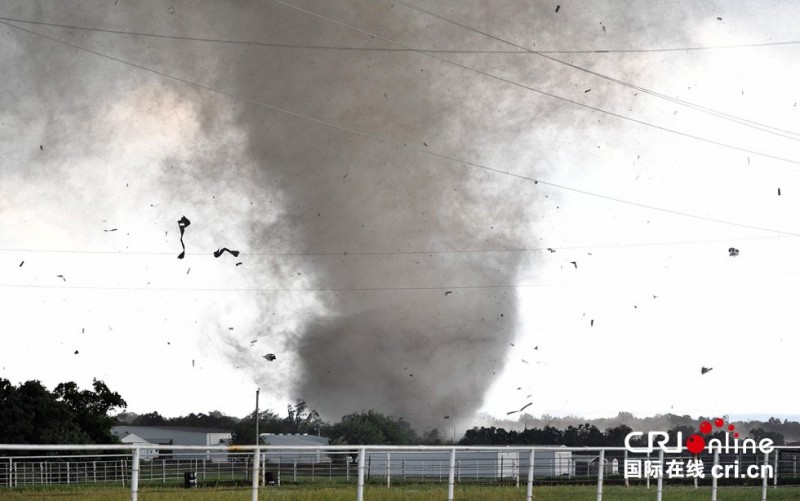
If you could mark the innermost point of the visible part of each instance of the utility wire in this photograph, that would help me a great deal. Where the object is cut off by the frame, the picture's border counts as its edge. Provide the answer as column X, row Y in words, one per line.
column 519, row 49
column 538, row 91
column 347, row 253
column 427, row 151
column 719, row 114
column 397, row 49
column 391, row 289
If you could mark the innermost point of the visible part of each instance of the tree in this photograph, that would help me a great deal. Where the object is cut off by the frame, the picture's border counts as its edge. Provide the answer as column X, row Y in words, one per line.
column 299, row 419
column 91, row 408
column 372, row 428
column 30, row 414
column 244, row 431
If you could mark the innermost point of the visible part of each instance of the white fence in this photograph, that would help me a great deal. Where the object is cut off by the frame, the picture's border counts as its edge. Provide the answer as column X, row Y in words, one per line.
column 131, row 465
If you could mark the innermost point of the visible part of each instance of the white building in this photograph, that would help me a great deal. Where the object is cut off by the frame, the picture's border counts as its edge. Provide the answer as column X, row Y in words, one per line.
column 295, row 456
column 178, row 435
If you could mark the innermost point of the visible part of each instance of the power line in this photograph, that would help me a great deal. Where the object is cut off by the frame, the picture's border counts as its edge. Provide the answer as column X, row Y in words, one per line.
column 427, row 151
column 432, row 288
column 397, row 49
column 719, row 114
column 519, row 49
column 538, row 91
column 429, row 252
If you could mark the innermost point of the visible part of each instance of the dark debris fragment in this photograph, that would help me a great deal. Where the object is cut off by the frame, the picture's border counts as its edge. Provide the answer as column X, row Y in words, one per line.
column 733, row 252
column 219, row 252
column 182, row 224
column 704, row 370
column 270, row 357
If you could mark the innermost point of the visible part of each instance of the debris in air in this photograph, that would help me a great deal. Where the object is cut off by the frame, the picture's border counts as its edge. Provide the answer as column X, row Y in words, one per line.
column 112, row 229
column 574, row 263
column 551, row 250
column 41, row 147
column 587, row 91
column 239, row 263
column 733, row 252
column 557, row 7
column 591, row 323
column 182, row 224
column 20, row 264
column 779, row 192
column 704, row 370
column 76, row 352
column 270, row 357
column 448, row 292
column 62, row 277
column 219, row 252
column 447, row 417
column 522, row 409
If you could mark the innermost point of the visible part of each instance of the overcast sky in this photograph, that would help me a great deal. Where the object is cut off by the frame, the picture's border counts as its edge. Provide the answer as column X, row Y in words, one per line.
column 433, row 220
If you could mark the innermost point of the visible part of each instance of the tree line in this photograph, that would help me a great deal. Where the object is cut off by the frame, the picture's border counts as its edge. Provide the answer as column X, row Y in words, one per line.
column 32, row 414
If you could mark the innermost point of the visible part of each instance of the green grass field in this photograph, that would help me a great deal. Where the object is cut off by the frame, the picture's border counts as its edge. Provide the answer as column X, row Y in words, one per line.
column 403, row 493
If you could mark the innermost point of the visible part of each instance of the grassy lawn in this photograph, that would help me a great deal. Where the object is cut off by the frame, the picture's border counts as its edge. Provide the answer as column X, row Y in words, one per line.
column 402, row 493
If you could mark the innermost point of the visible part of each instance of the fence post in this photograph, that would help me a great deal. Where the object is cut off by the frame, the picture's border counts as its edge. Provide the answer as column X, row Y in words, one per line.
column 600, row 469
column 388, row 469
column 451, row 476
column 256, row 458
column 10, row 472
column 135, row 475
column 713, row 477
column 360, row 485
column 660, row 480
column 529, row 495
column 764, row 481
column 777, row 469
column 624, row 462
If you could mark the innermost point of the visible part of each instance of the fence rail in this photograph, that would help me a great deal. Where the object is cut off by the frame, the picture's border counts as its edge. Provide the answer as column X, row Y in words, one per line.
column 132, row 465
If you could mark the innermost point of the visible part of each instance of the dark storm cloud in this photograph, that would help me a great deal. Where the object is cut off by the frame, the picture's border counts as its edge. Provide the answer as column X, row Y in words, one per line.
column 420, row 352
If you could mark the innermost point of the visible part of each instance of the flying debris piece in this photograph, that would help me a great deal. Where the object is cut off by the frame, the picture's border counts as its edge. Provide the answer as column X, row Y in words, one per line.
column 525, row 361
column 187, row 271
column 270, row 357
column 447, row 417
column 704, row 370
column 219, row 252
column 239, row 263
column 182, row 224
column 448, row 292
column 20, row 264
column 192, row 362
column 733, row 252
column 526, row 406
column 253, row 342
column 41, row 147
column 719, row 19
column 112, row 229
column 591, row 323
column 558, row 7
column 587, row 91
column 76, row 352
column 61, row 277
column 551, row 250
column 779, row 192
column 536, row 347
column 83, row 329
column 511, row 412
column 574, row 263
column 411, row 375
